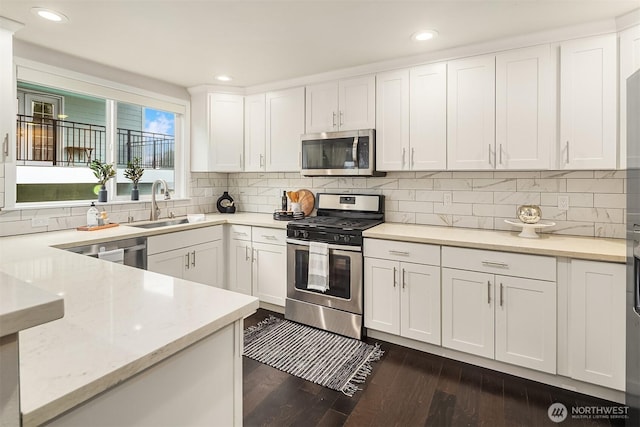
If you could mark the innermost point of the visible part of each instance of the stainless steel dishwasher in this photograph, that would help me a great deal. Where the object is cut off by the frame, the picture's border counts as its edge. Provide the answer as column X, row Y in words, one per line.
column 131, row 252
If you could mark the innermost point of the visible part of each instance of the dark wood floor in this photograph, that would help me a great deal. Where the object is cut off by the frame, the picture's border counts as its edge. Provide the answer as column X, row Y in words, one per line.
column 407, row 388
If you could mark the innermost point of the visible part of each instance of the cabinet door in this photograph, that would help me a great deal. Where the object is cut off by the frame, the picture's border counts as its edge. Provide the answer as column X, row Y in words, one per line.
column 254, row 132
column 588, row 103
column 524, row 108
column 7, row 94
column 597, row 323
column 322, row 107
column 171, row 263
column 226, row 118
column 471, row 113
column 526, row 323
column 269, row 273
column 629, row 63
column 285, row 125
column 239, row 267
column 467, row 311
column 205, row 264
column 392, row 118
column 357, row 102
column 420, row 302
column 381, row 295
column 428, row 117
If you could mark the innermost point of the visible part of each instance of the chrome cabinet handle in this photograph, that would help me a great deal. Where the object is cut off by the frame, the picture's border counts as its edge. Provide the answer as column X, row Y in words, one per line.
column 240, row 233
column 254, row 255
column 567, row 151
column 5, row 144
column 403, row 280
column 501, row 300
column 341, row 117
column 488, row 292
column 395, row 281
column 403, row 153
column 193, row 260
column 495, row 264
column 269, row 237
column 240, row 159
column 500, row 153
column 394, row 252
column 413, row 155
column 187, row 263
column 246, row 253
column 334, row 118
column 261, row 160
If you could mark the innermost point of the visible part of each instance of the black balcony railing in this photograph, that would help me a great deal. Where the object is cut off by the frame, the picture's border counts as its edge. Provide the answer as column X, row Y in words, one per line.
column 65, row 143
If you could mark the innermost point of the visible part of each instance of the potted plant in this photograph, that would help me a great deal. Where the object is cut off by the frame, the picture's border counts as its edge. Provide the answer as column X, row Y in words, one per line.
column 134, row 172
column 104, row 172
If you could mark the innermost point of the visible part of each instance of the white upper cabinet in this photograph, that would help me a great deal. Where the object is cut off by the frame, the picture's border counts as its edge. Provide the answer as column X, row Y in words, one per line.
column 629, row 63
column 392, row 111
column 588, row 103
column 524, row 108
column 284, row 126
column 347, row 104
column 471, row 113
column 411, row 108
column 217, row 132
column 254, row 132
column 428, row 117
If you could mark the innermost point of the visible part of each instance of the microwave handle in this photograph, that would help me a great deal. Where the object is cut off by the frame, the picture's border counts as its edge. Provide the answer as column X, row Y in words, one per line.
column 354, row 151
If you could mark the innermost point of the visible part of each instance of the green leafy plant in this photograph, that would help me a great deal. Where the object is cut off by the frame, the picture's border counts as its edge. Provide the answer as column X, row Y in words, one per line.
column 134, row 171
column 103, row 171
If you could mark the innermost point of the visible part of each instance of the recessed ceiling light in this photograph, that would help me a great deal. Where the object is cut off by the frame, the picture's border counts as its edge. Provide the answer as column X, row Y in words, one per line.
column 49, row 14
column 421, row 36
column 223, row 78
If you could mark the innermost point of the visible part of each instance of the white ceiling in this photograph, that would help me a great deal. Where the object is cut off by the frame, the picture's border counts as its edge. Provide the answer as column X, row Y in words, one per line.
column 188, row 42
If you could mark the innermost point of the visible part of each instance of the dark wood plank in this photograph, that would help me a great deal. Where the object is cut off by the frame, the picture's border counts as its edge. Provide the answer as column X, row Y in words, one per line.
column 332, row 418
column 491, row 412
column 516, row 405
column 444, row 398
column 378, row 394
column 466, row 412
column 259, row 384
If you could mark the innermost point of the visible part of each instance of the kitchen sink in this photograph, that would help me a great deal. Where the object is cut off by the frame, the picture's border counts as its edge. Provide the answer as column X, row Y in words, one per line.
column 164, row 223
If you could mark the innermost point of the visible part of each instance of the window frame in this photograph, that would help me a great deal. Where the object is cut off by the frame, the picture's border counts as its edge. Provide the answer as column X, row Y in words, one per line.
column 113, row 92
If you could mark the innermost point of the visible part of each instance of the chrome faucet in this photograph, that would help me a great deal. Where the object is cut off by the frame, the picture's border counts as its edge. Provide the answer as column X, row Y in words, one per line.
column 155, row 210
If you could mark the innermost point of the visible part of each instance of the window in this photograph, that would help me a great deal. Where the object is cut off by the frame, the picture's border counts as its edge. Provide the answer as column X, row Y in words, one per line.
column 60, row 131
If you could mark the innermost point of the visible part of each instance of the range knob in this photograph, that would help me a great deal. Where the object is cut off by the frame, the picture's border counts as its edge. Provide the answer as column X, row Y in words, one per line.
column 346, row 238
column 336, row 238
column 305, row 234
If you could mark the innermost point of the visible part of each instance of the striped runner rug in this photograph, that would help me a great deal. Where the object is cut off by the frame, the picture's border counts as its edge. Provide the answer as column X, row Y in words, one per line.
column 331, row 360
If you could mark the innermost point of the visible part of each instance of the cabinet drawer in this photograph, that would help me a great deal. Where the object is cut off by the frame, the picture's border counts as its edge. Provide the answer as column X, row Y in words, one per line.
column 240, row 232
column 505, row 263
column 273, row 236
column 183, row 239
column 418, row 253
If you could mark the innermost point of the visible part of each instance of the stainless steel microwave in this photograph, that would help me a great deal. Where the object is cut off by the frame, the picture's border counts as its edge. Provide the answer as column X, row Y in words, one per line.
column 347, row 153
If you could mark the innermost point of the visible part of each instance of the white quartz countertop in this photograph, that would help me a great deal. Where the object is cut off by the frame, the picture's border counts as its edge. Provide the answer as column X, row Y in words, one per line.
column 598, row 249
column 23, row 306
column 117, row 321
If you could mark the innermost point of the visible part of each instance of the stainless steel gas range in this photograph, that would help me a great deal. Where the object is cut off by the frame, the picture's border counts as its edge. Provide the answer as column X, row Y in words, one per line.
column 332, row 241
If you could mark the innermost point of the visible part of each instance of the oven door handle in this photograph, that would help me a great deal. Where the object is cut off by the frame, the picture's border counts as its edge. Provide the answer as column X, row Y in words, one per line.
column 330, row 246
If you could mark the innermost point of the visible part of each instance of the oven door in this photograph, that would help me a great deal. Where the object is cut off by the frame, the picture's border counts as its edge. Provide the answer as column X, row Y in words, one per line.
column 345, row 277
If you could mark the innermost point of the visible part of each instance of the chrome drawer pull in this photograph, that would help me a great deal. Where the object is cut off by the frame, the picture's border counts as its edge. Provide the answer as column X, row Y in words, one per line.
column 271, row 237
column 501, row 300
column 395, row 281
column 495, row 264
column 489, row 292
column 404, row 253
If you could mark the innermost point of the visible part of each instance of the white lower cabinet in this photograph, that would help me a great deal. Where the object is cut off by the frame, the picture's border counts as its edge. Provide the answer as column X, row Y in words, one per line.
column 597, row 323
column 195, row 255
column 500, row 316
column 257, row 262
column 402, row 297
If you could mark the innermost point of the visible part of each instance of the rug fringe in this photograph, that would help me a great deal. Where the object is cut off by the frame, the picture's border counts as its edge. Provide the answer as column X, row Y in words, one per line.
column 363, row 372
column 268, row 321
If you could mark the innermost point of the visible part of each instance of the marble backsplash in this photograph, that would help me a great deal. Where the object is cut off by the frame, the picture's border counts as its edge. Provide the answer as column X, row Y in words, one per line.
column 597, row 199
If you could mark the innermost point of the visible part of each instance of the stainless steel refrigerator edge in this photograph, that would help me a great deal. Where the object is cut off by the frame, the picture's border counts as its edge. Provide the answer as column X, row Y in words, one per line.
column 633, row 248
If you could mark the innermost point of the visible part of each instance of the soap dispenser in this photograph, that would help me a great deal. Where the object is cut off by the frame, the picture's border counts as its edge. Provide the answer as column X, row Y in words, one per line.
column 92, row 216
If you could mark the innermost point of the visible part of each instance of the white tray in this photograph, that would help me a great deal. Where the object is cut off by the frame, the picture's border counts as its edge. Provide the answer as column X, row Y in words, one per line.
column 529, row 230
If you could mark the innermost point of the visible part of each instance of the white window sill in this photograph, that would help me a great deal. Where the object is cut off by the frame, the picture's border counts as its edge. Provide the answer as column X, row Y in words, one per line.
column 85, row 203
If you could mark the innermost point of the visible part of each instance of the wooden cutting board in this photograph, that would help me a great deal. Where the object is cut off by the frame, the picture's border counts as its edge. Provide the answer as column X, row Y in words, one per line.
column 307, row 201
